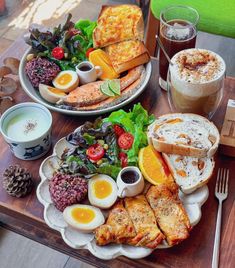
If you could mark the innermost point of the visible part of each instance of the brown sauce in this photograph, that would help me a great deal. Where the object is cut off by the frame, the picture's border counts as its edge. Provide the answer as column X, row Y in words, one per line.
column 130, row 176
column 85, row 68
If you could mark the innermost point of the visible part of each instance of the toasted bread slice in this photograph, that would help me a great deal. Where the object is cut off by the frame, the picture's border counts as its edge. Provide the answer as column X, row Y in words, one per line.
column 118, row 23
column 190, row 173
column 127, row 54
column 184, row 134
column 143, row 219
column 170, row 214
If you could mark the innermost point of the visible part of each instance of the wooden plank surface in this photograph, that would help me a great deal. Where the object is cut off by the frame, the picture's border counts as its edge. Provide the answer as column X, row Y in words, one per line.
column 27, row 213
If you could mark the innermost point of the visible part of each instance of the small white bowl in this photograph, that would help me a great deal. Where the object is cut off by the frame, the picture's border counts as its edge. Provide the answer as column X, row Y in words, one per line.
column 29, row 148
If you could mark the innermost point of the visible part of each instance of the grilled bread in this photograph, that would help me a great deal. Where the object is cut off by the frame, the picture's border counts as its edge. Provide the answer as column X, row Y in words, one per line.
column 127, row 54
column 190, row 173
column 184, row 134
column 118, row 23
column 170, row 214
column 145, row 221
column 133, row 224
column 142, row 216
column 118, row 227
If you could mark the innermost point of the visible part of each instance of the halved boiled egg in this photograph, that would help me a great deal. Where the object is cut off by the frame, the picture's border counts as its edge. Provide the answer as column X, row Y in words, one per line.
column 83, row 217
column 51, row 94
column 102, row 191
column 66, row 80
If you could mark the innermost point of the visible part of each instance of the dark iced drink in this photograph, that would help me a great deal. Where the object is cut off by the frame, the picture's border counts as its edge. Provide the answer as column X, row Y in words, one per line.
column 177, row 32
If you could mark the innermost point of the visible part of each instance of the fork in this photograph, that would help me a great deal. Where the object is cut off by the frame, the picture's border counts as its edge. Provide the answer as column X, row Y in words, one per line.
column 221, row 192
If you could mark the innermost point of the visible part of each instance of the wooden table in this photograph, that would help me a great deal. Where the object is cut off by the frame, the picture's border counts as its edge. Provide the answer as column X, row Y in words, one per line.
column 25, row 216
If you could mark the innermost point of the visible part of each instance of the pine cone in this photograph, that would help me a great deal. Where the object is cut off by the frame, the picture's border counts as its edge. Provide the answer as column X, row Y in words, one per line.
column 17, row 181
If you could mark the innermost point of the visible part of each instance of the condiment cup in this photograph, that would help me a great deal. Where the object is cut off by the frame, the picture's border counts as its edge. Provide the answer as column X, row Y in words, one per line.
column 130, row 189
column 26, row 128
column 87, row 72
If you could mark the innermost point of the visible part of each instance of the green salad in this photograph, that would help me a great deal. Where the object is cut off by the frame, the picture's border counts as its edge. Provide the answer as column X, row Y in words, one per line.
column 66, row 44
column 107, row 145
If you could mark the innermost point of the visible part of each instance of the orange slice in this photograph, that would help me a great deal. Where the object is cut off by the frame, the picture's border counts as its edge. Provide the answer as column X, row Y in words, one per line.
column 153, row 167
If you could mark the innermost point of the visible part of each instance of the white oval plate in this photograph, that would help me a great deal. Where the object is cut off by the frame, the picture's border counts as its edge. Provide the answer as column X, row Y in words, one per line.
column 35, row 95
column 79, row 240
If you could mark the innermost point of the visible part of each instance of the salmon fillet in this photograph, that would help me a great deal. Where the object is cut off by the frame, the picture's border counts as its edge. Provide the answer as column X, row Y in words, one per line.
column 90, row 93
column 86, row 94
column 113, row 100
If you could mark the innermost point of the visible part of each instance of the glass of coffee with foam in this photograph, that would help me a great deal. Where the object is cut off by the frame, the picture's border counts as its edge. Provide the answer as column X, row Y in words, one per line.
column 195, row 81
column 177, row 32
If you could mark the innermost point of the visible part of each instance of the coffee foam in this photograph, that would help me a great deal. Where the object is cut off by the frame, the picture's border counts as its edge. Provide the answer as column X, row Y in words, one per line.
column 199, row 84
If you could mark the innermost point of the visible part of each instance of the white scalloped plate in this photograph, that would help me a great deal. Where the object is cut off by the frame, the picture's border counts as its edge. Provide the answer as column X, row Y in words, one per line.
column 79, row 240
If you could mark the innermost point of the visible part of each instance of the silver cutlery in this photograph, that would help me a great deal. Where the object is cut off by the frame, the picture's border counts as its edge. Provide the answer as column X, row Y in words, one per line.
column 221, row 193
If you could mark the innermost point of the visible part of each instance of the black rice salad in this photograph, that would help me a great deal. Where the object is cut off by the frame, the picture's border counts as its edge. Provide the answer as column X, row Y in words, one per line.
column 66, row 190
column 41, row 71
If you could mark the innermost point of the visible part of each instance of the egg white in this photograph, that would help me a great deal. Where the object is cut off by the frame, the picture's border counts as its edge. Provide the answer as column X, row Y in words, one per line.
column 105, row 202
column 69, row 86
column 48, row 95
column 84, row 227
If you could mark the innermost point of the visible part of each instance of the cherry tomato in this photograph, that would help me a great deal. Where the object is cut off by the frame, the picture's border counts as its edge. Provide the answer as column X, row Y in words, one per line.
column 95, row 152
column 125, row 141
column 118, row 130
column 58, row 53
column 89, row 50
column 123, row 159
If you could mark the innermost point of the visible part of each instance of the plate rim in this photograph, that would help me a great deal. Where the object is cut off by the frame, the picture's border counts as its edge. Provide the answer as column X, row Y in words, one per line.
column 140, row 90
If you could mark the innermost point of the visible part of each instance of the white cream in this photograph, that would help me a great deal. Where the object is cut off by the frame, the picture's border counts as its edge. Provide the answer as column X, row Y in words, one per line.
column 27, row 126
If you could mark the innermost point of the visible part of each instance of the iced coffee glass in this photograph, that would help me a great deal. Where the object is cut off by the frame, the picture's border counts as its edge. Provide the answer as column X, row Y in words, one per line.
column 177, row 32
column 195, row 82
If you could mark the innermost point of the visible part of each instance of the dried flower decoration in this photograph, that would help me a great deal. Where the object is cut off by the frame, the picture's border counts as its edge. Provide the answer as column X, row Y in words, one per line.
column 7, row 84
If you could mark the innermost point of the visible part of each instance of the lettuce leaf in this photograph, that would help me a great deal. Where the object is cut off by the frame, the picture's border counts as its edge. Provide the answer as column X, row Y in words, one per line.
column 86, row 27
column 135, row 122
column 109, row 170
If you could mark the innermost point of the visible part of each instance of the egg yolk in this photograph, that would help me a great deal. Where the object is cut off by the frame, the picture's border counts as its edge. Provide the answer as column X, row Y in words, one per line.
column 64, row 79
column 83, row 215
column 102, row 189
column 56, row 91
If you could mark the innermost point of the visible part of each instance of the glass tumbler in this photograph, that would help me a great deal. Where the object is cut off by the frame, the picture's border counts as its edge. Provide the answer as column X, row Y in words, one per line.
column 177, row 32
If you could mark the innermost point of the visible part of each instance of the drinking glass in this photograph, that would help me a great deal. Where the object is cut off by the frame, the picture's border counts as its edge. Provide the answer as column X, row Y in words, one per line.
column 186, row 95
column 177, row 32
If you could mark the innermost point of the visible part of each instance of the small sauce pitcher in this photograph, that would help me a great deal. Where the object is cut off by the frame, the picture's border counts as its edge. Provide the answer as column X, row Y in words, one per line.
column 87, row 72
column 130, row 182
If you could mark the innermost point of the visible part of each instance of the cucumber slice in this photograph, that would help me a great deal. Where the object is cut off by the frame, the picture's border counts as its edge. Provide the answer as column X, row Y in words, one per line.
column 104, row 88
column 114, row 86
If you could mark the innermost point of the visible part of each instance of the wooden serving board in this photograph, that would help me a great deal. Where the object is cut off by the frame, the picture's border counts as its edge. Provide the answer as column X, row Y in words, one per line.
column 25, row 216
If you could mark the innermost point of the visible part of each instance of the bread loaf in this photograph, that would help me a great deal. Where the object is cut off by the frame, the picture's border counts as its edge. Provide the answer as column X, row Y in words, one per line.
column 184, row 134
column 190, row 173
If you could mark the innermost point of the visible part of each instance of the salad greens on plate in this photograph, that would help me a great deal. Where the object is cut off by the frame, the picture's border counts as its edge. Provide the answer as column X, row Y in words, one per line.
column 107, row 145
column 66, row 44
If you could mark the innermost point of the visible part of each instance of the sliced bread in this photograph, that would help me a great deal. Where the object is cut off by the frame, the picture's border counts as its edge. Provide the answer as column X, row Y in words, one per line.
column 184, row 134
column 190, row 173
